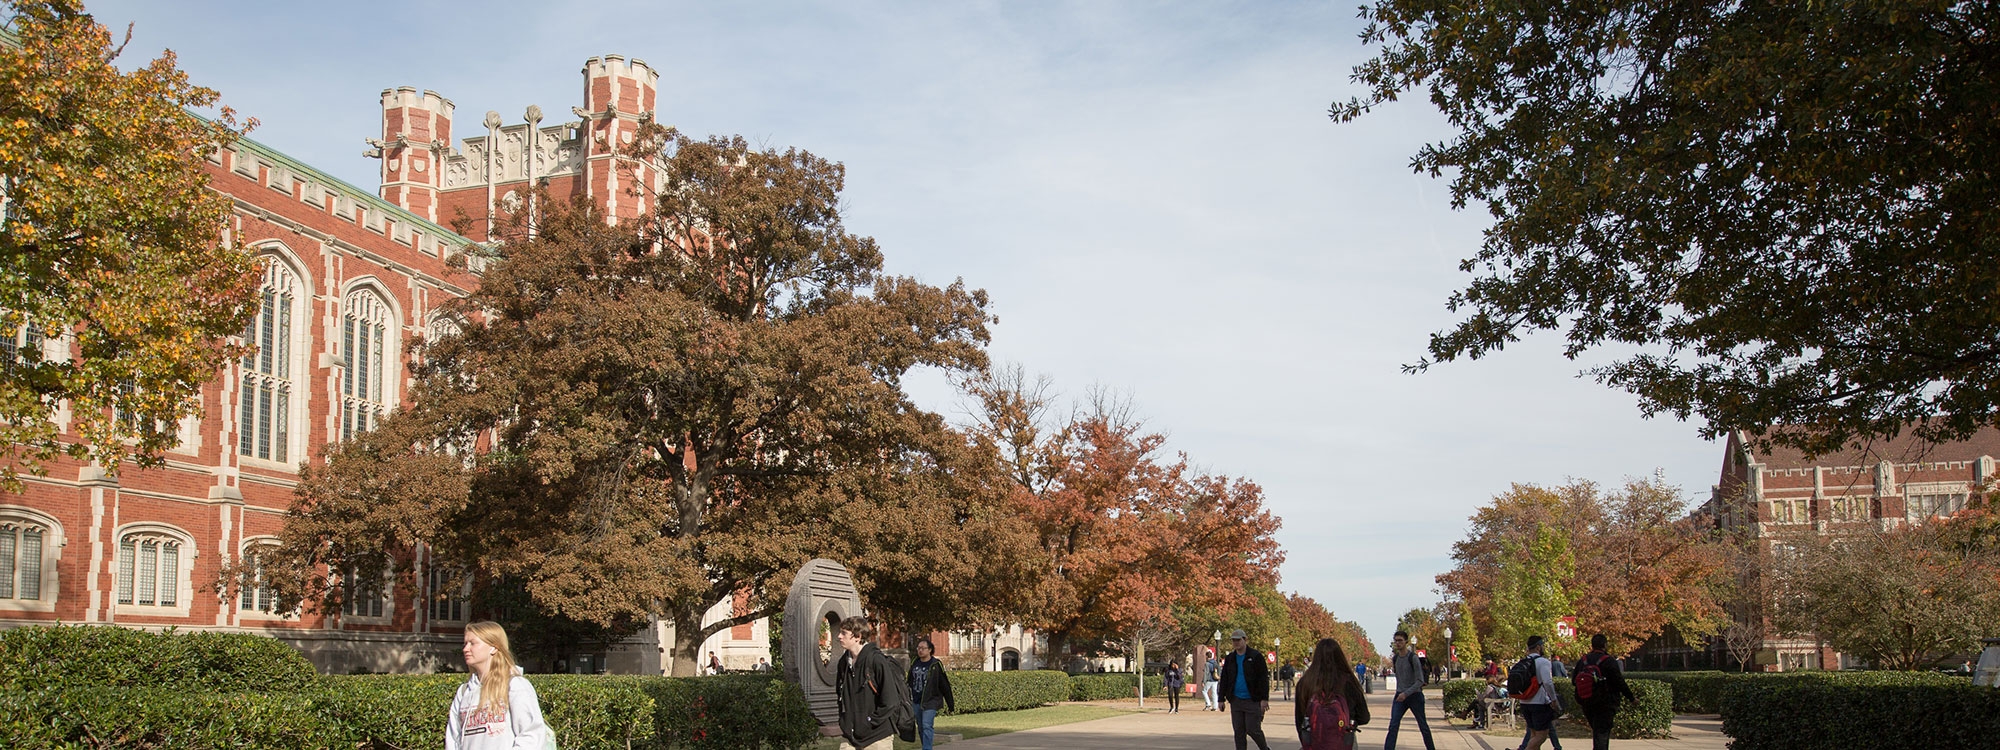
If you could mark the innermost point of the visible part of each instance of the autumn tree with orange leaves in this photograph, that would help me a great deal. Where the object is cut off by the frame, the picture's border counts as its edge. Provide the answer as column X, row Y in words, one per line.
column 676, row 412
column 117, row 285
column 1125, row 534
column 1641, row 566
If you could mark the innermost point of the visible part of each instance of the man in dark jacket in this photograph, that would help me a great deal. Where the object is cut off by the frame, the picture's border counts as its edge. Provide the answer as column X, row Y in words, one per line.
column 1601, row 708
column 1246, row 685
column 866, row 685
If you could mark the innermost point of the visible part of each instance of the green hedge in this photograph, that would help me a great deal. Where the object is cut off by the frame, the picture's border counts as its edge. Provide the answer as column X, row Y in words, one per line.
column 1701, row 692
column 1111, row 686
column 1805, row 713
column 42, row 658
column 592, row 712
column 85, row 717
column 1652, row 717
column 1459, row 694
column 978, row 692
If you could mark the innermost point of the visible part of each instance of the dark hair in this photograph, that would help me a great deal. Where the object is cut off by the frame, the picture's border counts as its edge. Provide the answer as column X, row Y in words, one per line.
column 1329, row 673
column 924, row 642
column 1403, row 634
column 1597, row 641
column 858, row 627
column 1535, row 642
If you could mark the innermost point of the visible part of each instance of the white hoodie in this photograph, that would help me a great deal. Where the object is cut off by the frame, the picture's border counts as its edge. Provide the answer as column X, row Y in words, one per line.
column 520, row 728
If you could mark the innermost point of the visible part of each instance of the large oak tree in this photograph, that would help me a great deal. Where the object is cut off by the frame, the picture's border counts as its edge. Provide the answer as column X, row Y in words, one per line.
column 671, row 412
column 117, row 283
column 1781, row 215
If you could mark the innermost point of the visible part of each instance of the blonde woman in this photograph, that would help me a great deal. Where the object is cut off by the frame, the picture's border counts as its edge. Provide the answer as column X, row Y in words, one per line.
column 496, row 708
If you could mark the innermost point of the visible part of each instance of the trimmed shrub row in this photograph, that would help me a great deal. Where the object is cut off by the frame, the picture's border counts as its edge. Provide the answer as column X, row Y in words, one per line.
column 44, row 658
column 1652, row 716
column 1701, row 692
column 84, row 717
column 979, row 692
column 1805, row 714
column 1112, row 686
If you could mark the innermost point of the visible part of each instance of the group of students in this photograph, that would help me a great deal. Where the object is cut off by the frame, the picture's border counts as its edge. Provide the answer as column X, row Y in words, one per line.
column 1531, row 683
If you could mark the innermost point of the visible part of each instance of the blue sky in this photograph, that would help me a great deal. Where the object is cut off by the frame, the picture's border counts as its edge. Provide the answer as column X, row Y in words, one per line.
column 1151, row 192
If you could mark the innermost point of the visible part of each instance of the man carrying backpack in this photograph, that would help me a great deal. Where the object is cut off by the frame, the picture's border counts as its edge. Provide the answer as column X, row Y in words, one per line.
column 873, row 698
column 1409, row 671
column 1530, row 683
column 1599, row 683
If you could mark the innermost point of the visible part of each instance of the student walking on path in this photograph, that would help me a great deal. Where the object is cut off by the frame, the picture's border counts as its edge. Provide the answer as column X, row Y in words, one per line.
column 1606, row 684
column 867, row 709
column 1409, row 673
column 1171, row 678
column 496, row 708
column 930, row 690
column 1209, row 679
column 1538, row 699
column 1246, row 680
column 1326, row 696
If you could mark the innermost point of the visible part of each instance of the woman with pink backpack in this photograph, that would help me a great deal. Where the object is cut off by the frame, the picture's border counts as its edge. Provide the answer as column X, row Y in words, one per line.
column 1330, row 703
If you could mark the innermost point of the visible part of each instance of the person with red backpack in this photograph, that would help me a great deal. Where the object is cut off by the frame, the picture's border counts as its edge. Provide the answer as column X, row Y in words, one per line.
column 1530, row 684
column 1330, row 701
column 1599, row 683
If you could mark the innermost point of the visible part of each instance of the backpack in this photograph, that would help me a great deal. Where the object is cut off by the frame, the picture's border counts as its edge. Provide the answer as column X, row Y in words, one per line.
column 1522, row 682
column 1588, row 674
column 1329, row 726
column 902, row 711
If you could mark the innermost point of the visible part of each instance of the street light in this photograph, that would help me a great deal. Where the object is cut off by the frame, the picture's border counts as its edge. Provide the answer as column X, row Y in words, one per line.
column 1451, row 651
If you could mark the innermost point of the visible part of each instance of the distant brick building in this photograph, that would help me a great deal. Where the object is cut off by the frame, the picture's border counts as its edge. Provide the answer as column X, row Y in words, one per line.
column 1882, row 485
column 350, row 277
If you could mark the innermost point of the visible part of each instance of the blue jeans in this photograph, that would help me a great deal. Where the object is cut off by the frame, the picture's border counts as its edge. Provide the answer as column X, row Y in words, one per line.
column 1415, row 705
column 926, row 717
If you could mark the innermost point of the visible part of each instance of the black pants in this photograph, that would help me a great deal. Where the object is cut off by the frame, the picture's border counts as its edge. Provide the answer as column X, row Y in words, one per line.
column 1173, row 699
column 1600, row 716
column 1247, row 719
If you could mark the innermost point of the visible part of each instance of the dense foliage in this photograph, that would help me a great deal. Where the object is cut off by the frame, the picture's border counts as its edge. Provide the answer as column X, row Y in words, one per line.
column 112, row 248
column 1898, row 599
column 1701, row 692
column 1894, row 710
column 63, row 657
column 980, row 692
column 1781, row 213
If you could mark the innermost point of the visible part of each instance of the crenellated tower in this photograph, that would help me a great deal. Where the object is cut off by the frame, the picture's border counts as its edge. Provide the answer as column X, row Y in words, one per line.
column 416, row 139
column 618, row 94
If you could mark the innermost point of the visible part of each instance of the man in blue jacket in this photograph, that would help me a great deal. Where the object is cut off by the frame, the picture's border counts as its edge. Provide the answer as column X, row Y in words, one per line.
column 1246, row 684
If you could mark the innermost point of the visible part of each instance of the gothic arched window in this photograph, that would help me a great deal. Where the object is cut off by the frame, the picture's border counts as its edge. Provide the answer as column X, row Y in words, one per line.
column 264, row 405
column 366, row 341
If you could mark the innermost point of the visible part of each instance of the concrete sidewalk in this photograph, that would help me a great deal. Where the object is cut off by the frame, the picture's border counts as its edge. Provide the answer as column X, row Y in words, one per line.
column 1195, row 729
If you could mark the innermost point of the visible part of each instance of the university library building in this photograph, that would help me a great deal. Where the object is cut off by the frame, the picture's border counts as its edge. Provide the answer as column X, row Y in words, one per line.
column 350, row 276
column 1768, row 496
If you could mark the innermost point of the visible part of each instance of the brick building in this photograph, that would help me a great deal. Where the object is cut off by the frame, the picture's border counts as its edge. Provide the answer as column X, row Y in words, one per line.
column 351, row 276
column 1882, row 484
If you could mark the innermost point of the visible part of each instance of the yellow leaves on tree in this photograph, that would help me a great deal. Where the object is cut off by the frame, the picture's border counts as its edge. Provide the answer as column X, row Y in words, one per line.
column 115, row 292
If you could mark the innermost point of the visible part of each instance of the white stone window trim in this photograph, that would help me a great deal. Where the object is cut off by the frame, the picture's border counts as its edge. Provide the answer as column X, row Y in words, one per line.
column 298, row 409
column 1858, row 508
column 1960, row 490
column 365, row 300
column 20, row 516
column 387, row 593
column 252, row 546
column 432, row 603
column 182, row 576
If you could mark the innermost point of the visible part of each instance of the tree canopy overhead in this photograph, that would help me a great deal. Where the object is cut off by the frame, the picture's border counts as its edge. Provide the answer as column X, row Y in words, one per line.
column 117, row 284
column 1790, row 208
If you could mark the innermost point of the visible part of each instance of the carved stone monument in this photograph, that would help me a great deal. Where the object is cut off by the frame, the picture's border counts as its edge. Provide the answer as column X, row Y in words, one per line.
column 822, row 595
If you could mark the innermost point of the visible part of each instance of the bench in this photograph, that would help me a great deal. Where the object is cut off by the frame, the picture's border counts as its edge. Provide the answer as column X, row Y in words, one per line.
column 1496, row 708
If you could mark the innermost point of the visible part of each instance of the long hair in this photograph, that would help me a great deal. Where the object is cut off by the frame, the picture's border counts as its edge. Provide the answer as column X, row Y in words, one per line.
column 499, row 671
column 1329, row 673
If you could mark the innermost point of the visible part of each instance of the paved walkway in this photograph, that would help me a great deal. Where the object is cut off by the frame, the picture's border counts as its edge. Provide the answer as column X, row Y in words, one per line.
column 1195, row 729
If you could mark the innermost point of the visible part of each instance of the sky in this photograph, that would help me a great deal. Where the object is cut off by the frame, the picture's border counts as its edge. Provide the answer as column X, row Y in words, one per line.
column 1151, row 193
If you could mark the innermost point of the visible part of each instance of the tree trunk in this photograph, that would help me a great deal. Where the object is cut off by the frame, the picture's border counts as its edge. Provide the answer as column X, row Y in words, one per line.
column 1139, row 647
column 687, row 645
